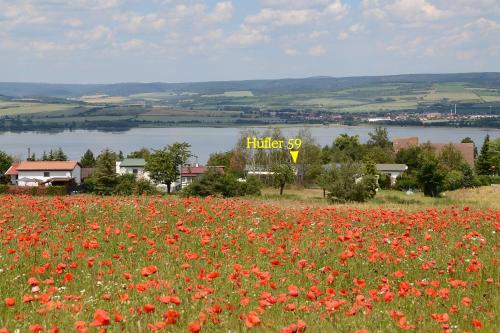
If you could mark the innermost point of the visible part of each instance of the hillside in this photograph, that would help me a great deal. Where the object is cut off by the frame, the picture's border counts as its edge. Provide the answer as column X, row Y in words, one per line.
column 260, row 86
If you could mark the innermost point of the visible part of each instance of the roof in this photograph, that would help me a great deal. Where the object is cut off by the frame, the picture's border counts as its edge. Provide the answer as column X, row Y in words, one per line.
column 12, row 170
column 194, row 171
column 466, row 149
column 404, row 143
column 391, row 167
column 133, row 162
column 47, row 166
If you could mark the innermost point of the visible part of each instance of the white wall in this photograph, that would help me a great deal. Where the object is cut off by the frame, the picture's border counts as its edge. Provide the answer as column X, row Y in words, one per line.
column 141, row 173
column 39, row 175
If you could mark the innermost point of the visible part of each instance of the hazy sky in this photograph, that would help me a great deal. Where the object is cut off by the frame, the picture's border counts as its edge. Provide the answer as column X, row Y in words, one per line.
column 94, row 41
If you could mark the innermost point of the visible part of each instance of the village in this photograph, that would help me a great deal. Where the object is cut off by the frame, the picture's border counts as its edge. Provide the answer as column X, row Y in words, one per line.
column 73, row 174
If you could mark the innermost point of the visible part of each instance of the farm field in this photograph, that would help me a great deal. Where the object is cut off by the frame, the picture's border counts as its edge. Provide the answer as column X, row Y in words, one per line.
column 139, row 264
column 8, row 108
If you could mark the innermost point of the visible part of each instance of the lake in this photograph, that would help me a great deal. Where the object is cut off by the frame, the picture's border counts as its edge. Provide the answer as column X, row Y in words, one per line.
column 205, row 140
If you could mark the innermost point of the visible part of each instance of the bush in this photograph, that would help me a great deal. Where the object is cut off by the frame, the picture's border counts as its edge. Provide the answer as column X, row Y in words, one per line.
column 125, row 185
column 346, row 183
column 56, row 190
column 384, row 181
column 483, row 180
column 226, row 185
column 4, row 189
column 453, row 180
column 495, row 179
column 144, row 186
column 407, row 181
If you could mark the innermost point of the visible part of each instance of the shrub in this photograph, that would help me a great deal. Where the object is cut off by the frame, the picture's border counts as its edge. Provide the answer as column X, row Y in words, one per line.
column 346, row 183
column 4, row 188
column 226, row 185
column 56, row 190
column 407, row 181
column 495, row 179
column 125, row 185
column 144, row 186
column 384, row 181
column 453, row 180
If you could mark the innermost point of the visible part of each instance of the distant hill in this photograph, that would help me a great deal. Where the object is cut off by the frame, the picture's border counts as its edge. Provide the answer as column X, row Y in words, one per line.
column 311, row 84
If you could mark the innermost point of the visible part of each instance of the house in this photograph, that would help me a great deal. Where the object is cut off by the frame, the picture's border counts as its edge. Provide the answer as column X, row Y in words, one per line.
column 45, row 173
column 466, row 149
column 134, row 166
column 190, row 172
column 392, row 170
column 12, row 173
column 404, row 143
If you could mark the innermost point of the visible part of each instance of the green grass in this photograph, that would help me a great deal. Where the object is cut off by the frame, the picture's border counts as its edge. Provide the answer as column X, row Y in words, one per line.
column 23, row 108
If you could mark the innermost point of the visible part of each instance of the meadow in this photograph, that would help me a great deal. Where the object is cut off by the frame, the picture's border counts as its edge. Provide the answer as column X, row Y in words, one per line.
column 164, row 263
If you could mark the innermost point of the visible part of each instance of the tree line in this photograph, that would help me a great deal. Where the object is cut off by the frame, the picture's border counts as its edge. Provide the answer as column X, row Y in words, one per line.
column 345, row 170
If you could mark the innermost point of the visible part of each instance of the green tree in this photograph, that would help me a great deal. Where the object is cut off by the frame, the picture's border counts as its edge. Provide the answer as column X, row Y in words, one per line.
column 450, row 158
column 59, row 155
column 5, row 162
column 484, row 163
column 380, row 138
column 309, row 162
column 370, row 178
column 141, row 153
column 164, row 165
column 88, row 159
column 105, row 178
column 495, row 156
column 220, row 159
column 430, row 177
column 282, row 174
column 347, row 183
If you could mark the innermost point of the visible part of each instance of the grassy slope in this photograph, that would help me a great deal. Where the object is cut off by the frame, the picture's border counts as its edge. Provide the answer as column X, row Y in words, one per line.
column 481, row 198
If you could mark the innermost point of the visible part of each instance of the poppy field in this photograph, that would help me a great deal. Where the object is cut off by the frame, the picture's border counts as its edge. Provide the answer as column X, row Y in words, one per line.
column 168, row 264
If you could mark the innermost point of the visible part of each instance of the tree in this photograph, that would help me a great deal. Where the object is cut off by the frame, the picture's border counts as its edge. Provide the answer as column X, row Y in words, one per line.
column 450, row 158
column 105, row 178
column 309, row 163
column 430, row 177
column 380, row 138
column 88, row 159
column 483, row 163
column 347, row 183
column 282, row 174
column 163, row 165
column 370, row 178
column 59, row 155
column 495, row 156
column 410, row 157
column 220, row 159
column 5, row 162
column 141, row 153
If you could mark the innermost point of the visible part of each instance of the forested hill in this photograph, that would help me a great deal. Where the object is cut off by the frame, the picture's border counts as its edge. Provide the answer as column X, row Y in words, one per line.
column 487, row 80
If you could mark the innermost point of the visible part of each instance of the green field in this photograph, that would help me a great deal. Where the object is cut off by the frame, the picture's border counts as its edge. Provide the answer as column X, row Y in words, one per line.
column 8, row 108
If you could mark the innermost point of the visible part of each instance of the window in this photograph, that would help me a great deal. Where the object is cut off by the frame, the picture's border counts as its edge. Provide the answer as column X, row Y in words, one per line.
column 134, row 171
column 46, row 174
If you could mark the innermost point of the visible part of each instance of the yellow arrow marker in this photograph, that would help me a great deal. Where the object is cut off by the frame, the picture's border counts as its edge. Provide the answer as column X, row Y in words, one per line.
column 295, row 154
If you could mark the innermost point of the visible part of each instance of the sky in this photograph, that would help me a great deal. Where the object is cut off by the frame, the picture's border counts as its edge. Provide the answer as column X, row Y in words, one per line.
column 108, row 41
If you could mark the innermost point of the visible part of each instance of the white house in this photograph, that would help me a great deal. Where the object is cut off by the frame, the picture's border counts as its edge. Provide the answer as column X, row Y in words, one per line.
column 45, row 173
column 134, row 166
column 392, row 170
